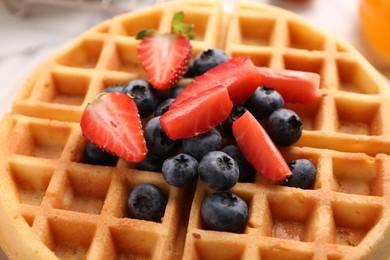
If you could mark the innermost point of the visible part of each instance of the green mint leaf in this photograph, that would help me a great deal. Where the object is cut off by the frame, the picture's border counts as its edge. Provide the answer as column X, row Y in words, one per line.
column 178, row 18
column 143, row 33
column 178, row 27
column 191, row 35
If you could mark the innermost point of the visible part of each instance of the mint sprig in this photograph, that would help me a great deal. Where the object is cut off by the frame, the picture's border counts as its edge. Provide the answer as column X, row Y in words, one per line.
column 179, row 27
column 143, row 33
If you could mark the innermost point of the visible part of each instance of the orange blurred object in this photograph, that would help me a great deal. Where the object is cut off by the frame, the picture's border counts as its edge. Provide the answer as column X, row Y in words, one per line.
column 375, row 20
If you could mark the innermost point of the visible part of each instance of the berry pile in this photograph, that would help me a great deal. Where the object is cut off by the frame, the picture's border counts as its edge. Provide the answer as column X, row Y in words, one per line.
column 184, row 126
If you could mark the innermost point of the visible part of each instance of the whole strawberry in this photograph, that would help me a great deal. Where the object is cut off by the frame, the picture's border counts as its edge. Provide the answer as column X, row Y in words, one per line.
column 165, row 57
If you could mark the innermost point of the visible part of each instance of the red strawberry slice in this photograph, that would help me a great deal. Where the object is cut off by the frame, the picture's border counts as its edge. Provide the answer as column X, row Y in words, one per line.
column 294, row 86
column 258, row 148
column 238, row 75
column 112, row 122
column 197, row 114
column 165, row 57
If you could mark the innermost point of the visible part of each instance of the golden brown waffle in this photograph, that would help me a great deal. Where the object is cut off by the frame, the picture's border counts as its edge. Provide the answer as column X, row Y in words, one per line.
column 52, row 205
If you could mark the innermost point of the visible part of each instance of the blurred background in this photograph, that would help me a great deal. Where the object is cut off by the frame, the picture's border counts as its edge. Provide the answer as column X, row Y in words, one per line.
column 29, row 33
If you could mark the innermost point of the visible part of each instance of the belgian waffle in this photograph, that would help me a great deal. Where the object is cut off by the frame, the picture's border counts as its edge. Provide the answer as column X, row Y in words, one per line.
column 53, row 205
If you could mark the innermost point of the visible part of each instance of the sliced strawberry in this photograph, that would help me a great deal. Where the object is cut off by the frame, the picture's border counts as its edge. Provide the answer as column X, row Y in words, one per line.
column 197, row 114
column 165, row 57
column 294, row 86
column 238, row 75
column 112, row 122
column 259, row 149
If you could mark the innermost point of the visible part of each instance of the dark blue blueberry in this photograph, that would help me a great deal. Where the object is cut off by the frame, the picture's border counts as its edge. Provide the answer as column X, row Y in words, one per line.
column 224, row 211
column 172, row 92
column 284, row 127
column 236, row 113
column 303, row 174
column 144, row 96
column 147, row 201
column 190, row 73
column 114, row 88
column 201, row 144
column 209, row 59
column 218, row 171
column 163, row 107
column 180, row 170
column 152, row 163
column 94, row 155
column 156, row 139
column 247, row 172
column 264, row 101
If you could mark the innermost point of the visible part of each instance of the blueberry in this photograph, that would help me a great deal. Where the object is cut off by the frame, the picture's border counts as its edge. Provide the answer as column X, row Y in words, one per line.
column 152, row 163
column 180, row 170
column 163, row 107
column 218, row 171
column 247, row 172
column 236, row 113
column 156, row 139
column 190, row 73
column 114, row 88
column 147, row 201
column 264, row 101
column 209, row 59
column 144, row 96
column 224, row 211
column 201, row 144
column 94, row 155
column 284, row 127
column 303, row 174
column 172, row 92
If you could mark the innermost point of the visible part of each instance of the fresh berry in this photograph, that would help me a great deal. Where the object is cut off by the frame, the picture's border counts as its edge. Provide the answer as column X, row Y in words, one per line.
column 294, row 86
column 199, row 145
column 144, row 96
column 152, row 163
column 258, row 148
column 224, row 211
column 190, row 73
column 197, row 114
column 284, row 127
column 165, row 57
column 237, row 111
column 147, row 202
column 238, row 75
column 111, row 121
column 114, row 88
column 247, row 172
column 218, row 171
column 156, row 139
column 173, row 92
column 163, row 107
column 208, row 59
column 264, row 101
column 180, row 170
column 303, row 174
column 95, row 155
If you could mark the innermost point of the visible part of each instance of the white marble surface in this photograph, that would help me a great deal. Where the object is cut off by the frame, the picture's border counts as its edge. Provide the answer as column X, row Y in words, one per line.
column 24, row 42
